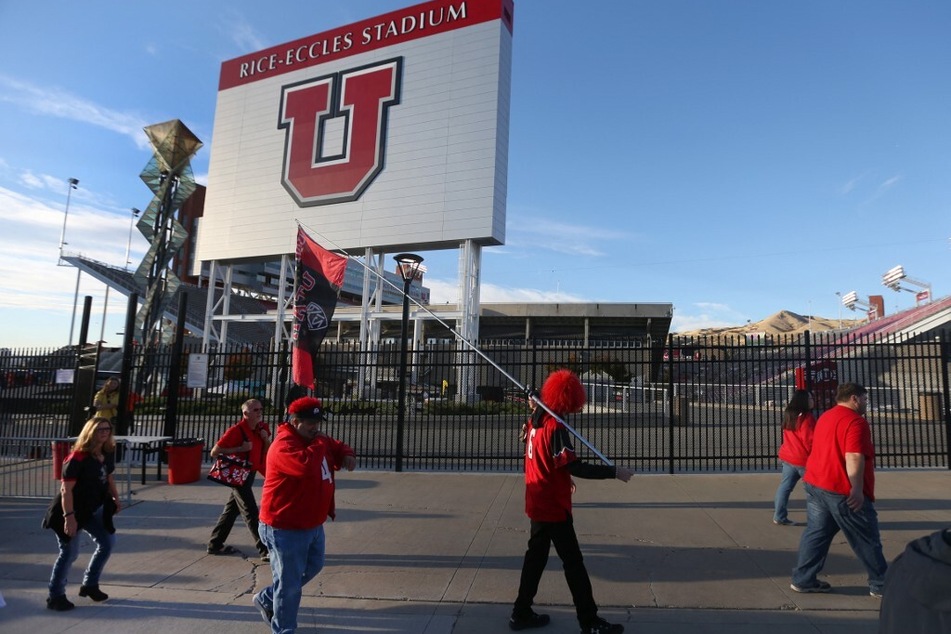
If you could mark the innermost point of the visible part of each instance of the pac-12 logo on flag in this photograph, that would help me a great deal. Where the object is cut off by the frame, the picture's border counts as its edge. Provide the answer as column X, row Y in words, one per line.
column 362, row 97
column 317, row 320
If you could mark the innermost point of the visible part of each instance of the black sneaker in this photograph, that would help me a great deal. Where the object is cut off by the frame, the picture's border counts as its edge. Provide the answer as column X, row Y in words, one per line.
column 600, row 626
column 93, row 592
column 59, row 603
column 531, row 621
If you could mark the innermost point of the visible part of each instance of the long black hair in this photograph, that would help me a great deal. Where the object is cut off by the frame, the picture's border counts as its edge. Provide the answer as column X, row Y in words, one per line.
column 798, row 404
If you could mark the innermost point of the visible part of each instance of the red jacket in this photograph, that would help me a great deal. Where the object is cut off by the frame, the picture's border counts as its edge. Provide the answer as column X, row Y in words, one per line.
column 299, row 485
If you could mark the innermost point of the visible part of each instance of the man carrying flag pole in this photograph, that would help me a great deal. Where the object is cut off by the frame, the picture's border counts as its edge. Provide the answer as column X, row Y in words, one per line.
column 318, row 278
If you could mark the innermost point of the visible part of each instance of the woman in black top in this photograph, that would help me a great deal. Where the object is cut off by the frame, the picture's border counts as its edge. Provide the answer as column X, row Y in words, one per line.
column 87, row 501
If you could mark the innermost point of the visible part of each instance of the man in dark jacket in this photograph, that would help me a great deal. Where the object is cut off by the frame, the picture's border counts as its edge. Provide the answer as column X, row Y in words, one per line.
column 918, row 588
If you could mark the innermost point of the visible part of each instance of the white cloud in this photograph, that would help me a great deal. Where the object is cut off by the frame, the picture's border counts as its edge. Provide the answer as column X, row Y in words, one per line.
column 701, row 315
column 889, row 183
column 849, row 186
column 446, row 291
column 62, row 104
column 571, row 239
column 29, row 276
column 245, row 37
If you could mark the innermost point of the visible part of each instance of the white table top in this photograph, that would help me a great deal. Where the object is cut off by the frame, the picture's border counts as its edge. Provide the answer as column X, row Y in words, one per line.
column 141, row 440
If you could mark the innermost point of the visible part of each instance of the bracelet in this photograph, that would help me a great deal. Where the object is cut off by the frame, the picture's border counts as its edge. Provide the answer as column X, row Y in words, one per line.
column 68, row 514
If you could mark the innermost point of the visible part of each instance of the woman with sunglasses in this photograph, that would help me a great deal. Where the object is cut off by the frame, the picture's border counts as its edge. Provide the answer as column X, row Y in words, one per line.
column 87, row 500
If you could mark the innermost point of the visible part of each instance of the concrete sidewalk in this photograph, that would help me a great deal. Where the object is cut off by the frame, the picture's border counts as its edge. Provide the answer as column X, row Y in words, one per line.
column 440, row 553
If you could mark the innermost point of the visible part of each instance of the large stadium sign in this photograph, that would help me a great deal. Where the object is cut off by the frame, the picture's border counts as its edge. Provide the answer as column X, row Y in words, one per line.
column 389, row 133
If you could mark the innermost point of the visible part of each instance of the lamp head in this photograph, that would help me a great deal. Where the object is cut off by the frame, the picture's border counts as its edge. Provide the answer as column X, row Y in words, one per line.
column 73, row 182
column 407, row 265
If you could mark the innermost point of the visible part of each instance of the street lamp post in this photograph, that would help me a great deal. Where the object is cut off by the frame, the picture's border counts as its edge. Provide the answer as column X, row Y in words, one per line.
column 73, row 182
column 128, row 249
column 407, row 265
column 839, row 295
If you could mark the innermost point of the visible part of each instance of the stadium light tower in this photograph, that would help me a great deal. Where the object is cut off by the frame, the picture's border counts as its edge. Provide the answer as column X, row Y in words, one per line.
column 73, row 182
column 851, row 300
column 128, row 249
column 894, row 277
column 407, row 265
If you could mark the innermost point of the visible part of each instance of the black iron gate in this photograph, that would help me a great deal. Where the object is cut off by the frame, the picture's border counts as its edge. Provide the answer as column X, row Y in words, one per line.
column 689, row 405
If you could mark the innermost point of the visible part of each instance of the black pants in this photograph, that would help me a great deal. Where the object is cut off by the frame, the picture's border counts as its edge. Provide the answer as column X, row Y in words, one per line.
column 241, row 500
column 562, row 535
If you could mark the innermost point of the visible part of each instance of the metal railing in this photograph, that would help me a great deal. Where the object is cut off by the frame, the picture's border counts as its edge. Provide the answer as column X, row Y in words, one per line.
column 698, row 404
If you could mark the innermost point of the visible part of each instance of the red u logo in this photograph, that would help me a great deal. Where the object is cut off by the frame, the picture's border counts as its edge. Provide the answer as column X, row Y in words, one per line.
column 362, row 96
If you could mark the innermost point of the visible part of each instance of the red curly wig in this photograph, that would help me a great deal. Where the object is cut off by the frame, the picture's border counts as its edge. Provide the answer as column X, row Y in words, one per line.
column 563, row 392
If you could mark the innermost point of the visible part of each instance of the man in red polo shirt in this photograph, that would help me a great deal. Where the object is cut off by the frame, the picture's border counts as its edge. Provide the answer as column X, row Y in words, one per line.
column 840, row 493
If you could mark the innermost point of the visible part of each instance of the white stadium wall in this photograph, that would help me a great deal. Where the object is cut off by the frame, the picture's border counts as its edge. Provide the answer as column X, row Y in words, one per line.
column 389, row 133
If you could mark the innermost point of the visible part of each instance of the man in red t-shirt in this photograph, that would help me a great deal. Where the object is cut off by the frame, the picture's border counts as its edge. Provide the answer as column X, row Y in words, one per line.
column 248, row 438
column 550, row 462
column 840, row 493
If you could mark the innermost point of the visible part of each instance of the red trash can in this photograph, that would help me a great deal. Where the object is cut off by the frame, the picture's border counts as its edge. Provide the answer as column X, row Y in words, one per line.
column 184, row 460
column 60, row 451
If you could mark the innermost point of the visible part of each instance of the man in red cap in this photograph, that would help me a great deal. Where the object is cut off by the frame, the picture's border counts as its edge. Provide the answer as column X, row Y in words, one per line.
column 550, row 461
column 298, row 498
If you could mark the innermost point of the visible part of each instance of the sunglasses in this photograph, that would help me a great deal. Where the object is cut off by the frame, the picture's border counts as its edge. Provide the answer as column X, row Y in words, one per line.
column 105, row 429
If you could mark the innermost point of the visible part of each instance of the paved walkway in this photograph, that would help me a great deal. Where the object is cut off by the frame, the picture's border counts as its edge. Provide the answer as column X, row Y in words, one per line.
column 441, row 553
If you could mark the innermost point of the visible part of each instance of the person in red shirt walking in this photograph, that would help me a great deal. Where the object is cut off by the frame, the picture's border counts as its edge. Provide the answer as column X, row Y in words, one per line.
column 250, row 438
column 840, row 493
column 550, row 461
column 798, row 427
column 298, row 498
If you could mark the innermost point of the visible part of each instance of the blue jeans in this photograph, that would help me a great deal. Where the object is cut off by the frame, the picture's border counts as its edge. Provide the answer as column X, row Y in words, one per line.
column 827, row 513
column 296, row 558
column 791, row 475
column 69, row 552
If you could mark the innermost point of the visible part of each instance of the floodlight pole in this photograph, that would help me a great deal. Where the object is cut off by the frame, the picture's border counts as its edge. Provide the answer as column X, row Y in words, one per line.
column 72, row 320
column 128, row 248
column 73, row 182
column 407, row 265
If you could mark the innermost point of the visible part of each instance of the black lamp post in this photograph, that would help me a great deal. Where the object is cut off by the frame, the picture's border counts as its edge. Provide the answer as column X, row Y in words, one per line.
column 407, row 265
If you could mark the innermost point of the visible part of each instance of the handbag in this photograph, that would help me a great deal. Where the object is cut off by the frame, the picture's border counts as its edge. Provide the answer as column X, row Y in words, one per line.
column 230, row 470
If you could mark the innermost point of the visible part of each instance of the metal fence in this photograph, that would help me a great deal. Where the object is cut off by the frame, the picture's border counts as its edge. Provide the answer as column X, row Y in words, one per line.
column 689, row 405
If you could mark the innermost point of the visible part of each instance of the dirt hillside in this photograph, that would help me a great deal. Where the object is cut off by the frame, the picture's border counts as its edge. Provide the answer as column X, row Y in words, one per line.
column 785, row 322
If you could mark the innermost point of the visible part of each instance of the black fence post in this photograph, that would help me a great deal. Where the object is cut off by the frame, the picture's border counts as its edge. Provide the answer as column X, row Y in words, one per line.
column 280, row 398
column 175, row 369
column 124, row 415
column 945, row 394
column 807, row 336
column 670, row 404
column 84, row 378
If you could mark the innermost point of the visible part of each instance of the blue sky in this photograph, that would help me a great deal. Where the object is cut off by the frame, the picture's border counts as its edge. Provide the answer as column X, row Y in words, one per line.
column 734, row 158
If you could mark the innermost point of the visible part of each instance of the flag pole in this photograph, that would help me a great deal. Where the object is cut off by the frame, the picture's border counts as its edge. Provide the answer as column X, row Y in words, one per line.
column 472, row 347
